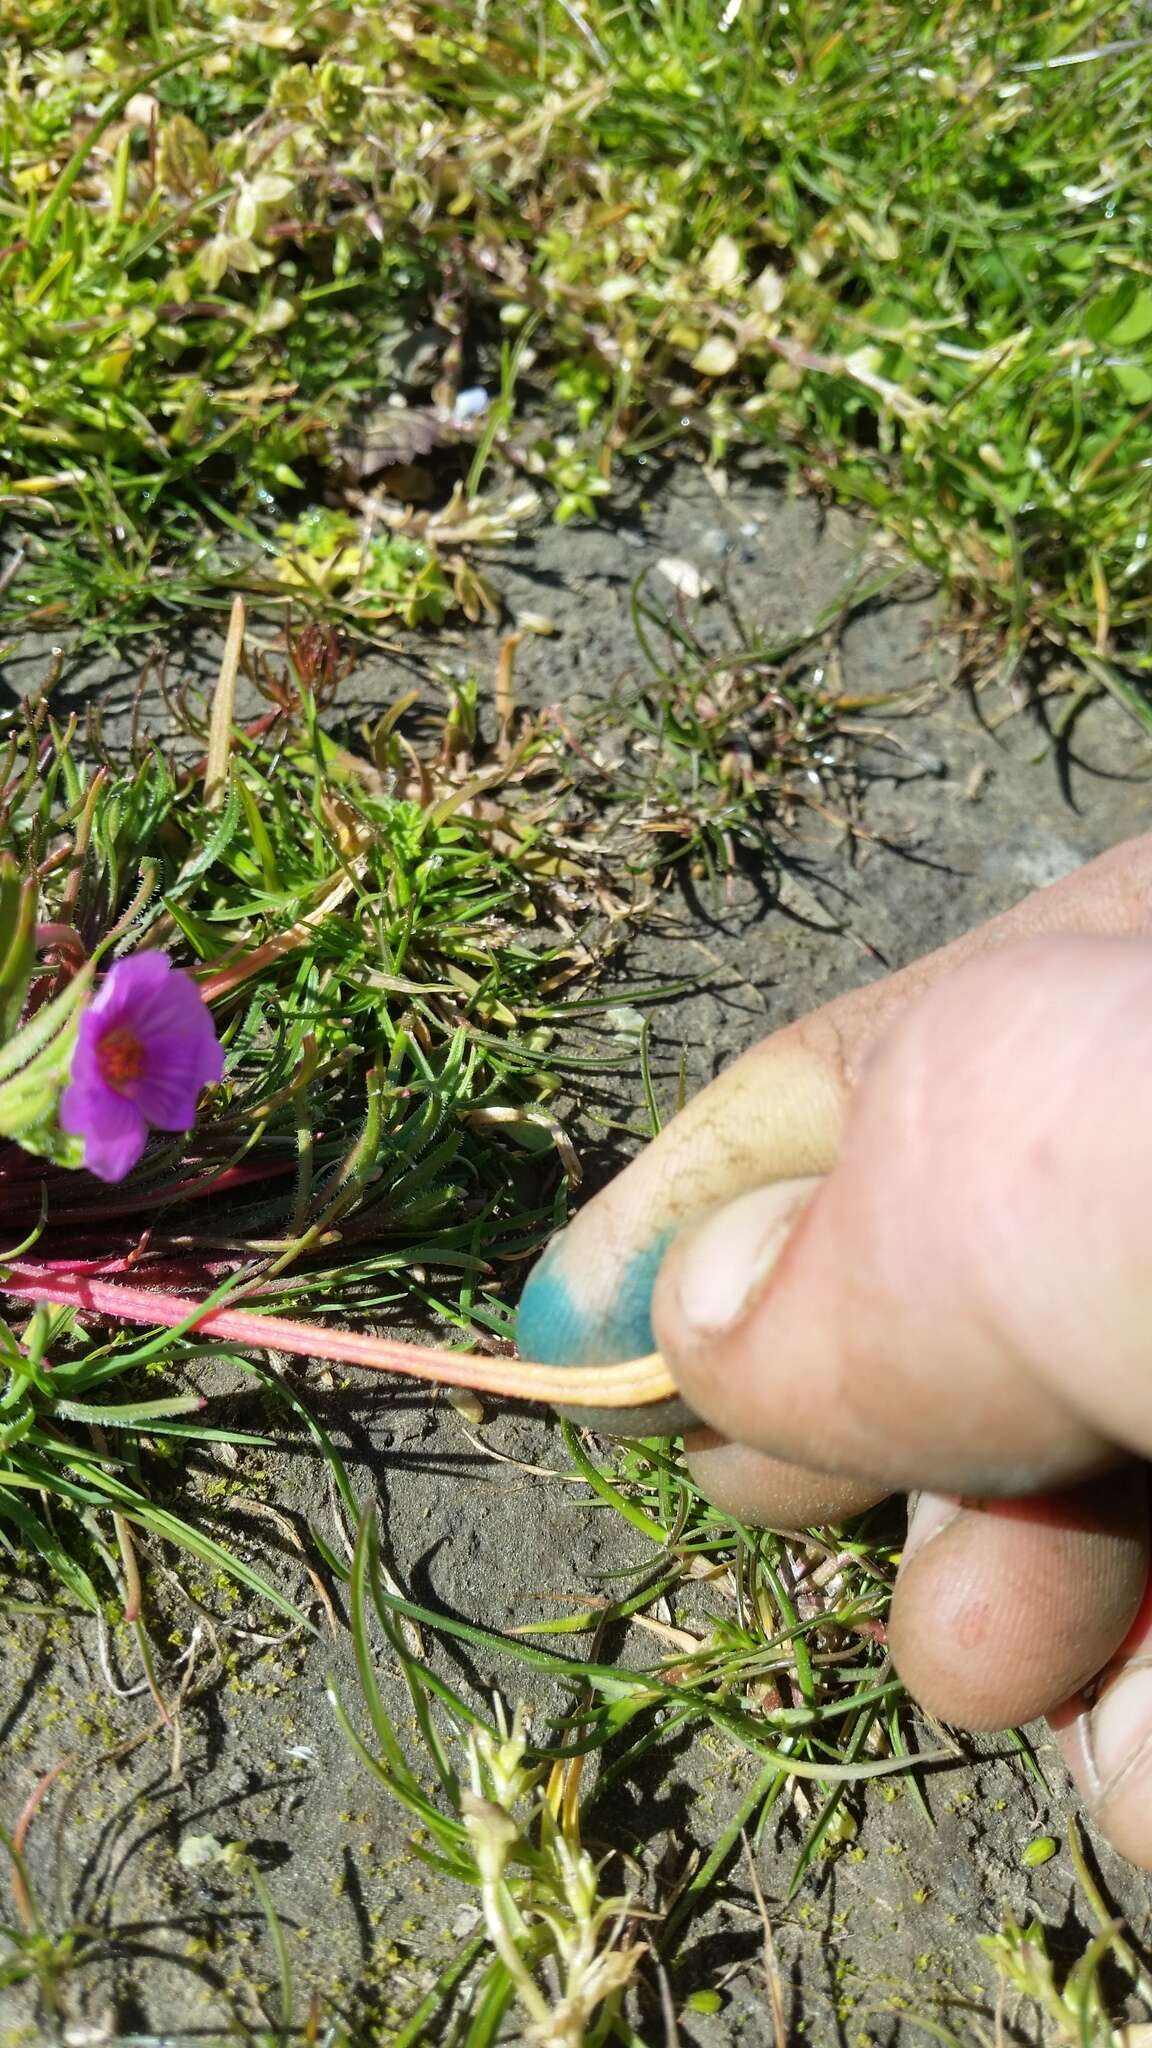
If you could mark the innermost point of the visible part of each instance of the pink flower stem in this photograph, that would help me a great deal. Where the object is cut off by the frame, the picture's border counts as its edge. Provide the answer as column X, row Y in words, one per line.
column 642, row 1380
column 85, row 1290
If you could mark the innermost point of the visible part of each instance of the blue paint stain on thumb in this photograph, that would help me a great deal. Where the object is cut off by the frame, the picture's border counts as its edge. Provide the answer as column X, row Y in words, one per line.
column 564, row 1321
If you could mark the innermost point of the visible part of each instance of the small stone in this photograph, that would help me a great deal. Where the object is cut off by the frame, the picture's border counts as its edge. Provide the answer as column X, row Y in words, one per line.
column 684, row 577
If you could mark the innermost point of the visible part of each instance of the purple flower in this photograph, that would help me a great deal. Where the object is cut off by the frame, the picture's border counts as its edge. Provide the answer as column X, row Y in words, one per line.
column 145, row 1048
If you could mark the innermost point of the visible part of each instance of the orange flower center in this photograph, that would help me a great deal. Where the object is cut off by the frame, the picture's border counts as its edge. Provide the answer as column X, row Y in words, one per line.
column 120, row 1057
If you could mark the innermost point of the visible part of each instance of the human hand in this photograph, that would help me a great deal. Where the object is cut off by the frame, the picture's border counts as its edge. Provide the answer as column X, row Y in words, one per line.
column 907, row 1243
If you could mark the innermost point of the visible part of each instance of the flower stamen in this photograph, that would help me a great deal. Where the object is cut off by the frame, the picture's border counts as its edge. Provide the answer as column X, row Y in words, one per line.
column 120, row 1057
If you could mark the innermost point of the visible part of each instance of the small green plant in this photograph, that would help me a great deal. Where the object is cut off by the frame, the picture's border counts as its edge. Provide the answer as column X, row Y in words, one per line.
column 380, row 575
column 379, row 968
column 559, row 1946
column 787, row 1665
column 325, row 552
column 722, row 751
column 707, row 758
column 47, row 1959
column 1075, row 2004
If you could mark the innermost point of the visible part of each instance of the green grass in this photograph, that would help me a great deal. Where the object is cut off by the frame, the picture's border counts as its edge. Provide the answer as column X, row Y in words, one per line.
column 374, row 915
column 397, row 1007
column 403, row 968
column 572, row 1924
column 402, row 930
column 805, row 1692
column 903, row 250
column 718, row 754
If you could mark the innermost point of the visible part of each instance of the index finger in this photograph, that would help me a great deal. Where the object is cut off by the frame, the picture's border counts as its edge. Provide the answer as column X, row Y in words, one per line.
column 776, row 1114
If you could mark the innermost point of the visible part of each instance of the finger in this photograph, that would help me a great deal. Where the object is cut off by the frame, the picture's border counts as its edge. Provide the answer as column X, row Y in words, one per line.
column 767, row 1494
column 775, row 1114
column 1105, row 1734
column 1004, row 1608
column 964, row 1302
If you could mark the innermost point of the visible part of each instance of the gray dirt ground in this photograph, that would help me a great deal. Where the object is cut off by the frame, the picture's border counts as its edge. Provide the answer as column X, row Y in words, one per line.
column 967, row 820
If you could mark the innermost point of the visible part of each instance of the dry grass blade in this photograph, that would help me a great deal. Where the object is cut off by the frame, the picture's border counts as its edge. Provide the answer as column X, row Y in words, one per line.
column 771, row 1968
column 243, row 964
column 223, row 709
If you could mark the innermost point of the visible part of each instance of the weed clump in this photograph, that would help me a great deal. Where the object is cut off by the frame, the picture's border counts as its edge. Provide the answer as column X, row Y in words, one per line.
column 319, row 268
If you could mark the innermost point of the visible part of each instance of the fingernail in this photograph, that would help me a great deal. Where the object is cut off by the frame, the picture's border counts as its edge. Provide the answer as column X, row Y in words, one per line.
column 928, row 1513
column 579, row 1310
column 1120, row 1727
column 721, row 1270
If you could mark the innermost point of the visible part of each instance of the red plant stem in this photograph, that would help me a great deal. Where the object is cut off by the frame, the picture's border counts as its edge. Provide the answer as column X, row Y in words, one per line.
column 62, row 939
column 258, row 726
column 167, row 1272
column 265, row 1333
column 187, row 1191
column 190, row 1190
column 620, row 1386
column 24, row 1819
column 231, row 1177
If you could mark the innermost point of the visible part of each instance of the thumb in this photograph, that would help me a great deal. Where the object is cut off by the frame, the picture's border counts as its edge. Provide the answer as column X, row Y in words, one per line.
column 964, row 1300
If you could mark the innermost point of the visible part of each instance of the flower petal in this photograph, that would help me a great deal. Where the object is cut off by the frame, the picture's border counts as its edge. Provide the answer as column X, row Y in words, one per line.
column 127, row 987
column 164, row 1011
column 167, row 1094
column 85, row 1068
column 113, row 1129
column 175, row 1005
column 178, row 1064
column 188, row 1045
